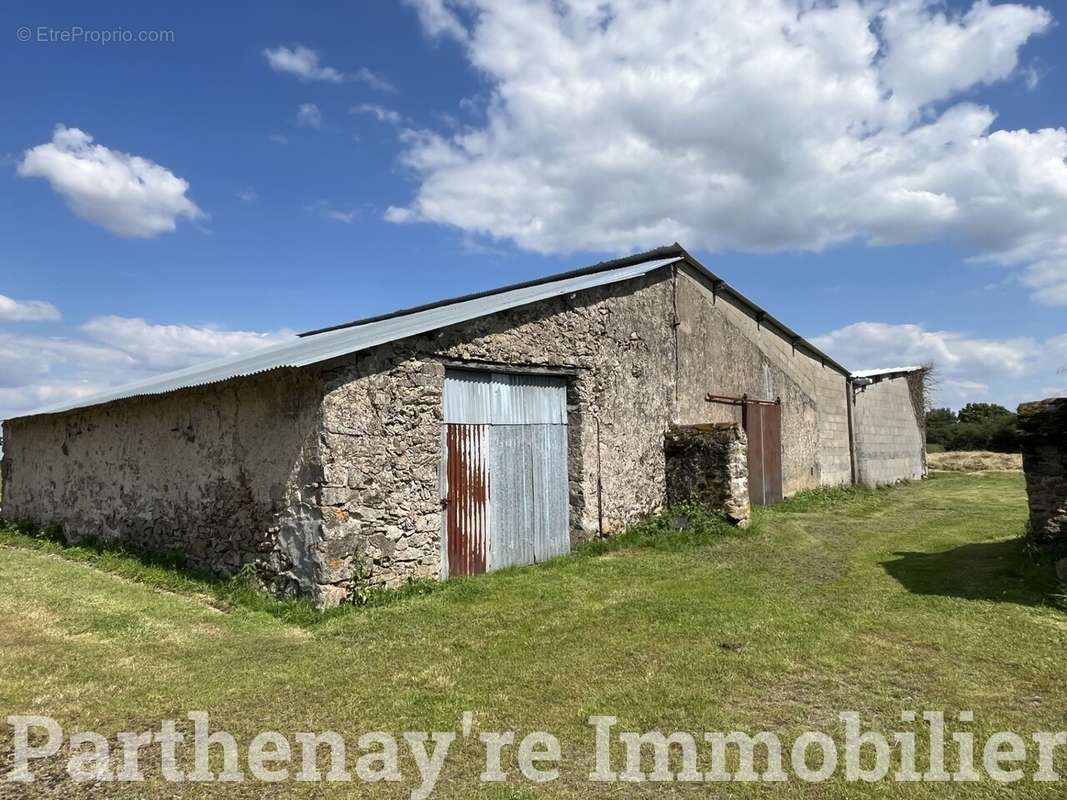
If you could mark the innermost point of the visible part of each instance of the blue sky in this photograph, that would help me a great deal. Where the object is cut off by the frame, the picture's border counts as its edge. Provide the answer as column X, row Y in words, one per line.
column 887, row 178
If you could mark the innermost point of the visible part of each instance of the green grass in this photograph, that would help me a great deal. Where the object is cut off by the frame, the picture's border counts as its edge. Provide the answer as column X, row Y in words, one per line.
column 917, row 597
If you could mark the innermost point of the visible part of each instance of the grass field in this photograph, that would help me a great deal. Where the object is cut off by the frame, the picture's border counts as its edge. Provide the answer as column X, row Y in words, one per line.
column 919, row 597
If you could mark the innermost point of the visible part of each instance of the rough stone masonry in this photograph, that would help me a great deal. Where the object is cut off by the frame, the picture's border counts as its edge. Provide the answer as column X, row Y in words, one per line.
column 1043, row 435
column 328, row 473
column 707, row 465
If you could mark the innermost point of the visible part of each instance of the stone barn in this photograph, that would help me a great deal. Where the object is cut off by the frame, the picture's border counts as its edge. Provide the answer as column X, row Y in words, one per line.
column 454, row 438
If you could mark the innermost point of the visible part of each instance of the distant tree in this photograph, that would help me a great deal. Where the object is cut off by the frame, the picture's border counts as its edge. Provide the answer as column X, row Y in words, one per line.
column 983, row 413
column 940, row 422
column 977, row 426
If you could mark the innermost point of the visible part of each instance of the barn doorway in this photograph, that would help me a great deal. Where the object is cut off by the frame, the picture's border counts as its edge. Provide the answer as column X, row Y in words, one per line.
column 762, row 421
column 504, row 471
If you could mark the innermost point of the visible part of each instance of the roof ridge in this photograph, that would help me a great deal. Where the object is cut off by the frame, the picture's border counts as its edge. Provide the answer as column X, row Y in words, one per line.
column 665, row 251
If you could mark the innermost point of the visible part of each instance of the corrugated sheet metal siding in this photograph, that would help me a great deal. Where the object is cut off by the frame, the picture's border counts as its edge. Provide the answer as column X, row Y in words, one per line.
column 468, row 397
column 467, row 513
column 497, row 398
column 529, row 512
column 526, row 420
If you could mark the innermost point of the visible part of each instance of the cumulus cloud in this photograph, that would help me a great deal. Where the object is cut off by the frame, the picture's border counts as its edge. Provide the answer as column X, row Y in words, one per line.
column 304, row 63
column 157, row 348
column 438, row 19
column 968, row 368
column 108, row 351
column 27, row 310
column 765, row 125
column 126, row 194
column 308, row 115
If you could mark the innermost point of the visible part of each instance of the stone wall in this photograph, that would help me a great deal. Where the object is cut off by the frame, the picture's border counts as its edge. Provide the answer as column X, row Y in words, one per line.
column 383, row 415
column 634, row 373
column 1043, row 435
column 889, row 430
column 331, row 472
column 708, row 465
column 723, row 350
column 224, row 475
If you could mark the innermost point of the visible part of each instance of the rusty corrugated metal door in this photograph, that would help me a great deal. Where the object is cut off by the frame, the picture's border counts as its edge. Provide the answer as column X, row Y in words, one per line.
column 466, row 472
column 467, row 509
column 762, row 422
column 505, row 470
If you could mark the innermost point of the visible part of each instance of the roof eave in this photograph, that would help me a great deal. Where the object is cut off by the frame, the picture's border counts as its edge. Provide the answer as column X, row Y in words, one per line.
column 760, row 314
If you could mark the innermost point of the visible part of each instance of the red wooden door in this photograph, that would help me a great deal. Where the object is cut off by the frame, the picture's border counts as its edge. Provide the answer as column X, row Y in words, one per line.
column 763, row 425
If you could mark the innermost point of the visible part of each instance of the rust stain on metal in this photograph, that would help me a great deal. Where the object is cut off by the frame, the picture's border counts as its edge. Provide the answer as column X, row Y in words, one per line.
column 468, row 499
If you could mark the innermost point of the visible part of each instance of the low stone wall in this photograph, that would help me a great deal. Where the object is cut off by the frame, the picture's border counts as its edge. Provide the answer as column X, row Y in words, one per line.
column 708, row 465
column 1043, row 436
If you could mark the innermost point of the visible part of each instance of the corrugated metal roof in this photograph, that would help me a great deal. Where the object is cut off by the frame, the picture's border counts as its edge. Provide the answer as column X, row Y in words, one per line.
column 332, row 343
column 882, row 373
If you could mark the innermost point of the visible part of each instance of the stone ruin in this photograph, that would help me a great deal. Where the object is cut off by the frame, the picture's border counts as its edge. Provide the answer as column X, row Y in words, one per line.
column 708, row 465
column 1043, row 436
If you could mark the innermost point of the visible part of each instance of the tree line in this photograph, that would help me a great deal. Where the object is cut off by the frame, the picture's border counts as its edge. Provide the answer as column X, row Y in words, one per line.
column 977, row 426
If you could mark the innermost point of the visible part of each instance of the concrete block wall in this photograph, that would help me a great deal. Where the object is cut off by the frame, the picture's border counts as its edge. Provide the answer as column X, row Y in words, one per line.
column 835, row 450
column 889, row 433
column 722, row 349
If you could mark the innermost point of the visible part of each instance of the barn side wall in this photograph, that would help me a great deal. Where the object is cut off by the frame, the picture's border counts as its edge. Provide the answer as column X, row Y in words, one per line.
column 329, row 474
column 723, row 350
column 383, row 415
column 633, row 372
column 889, row 430
column 223, row 475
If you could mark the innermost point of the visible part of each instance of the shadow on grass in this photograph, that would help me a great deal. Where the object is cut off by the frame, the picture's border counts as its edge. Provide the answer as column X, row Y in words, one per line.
column 1007, row 571
column 167, row 572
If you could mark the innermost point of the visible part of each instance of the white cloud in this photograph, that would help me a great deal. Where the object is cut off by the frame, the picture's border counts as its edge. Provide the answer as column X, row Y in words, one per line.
column 342, row 216
column 126, row 194
column 303, row 62
column 247, row 195
column 308, row 115
column 438, row 19
column 861, row 342
column 157, row 348
column 1007, row 371
column 964, row 390
column 27, row 310
column 764, row 125
column 373, row 80
column 108, row 351
column 931, row 56
column 328, row 211
column 381, row 113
